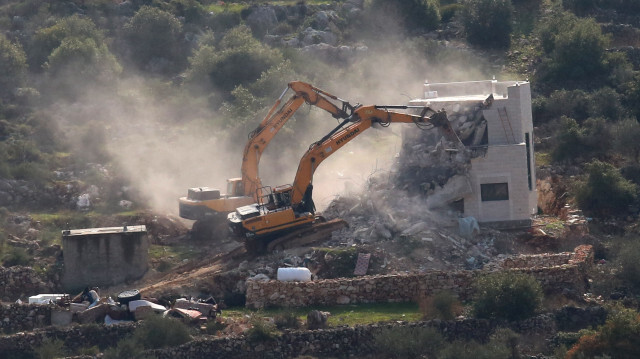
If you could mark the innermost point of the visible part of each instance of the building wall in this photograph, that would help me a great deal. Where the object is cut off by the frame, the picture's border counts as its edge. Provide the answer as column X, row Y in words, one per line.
column 506, row 160
column 104, row 259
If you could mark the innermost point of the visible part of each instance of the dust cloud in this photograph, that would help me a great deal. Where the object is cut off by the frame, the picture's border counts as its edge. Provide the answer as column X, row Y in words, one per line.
column 163, row 146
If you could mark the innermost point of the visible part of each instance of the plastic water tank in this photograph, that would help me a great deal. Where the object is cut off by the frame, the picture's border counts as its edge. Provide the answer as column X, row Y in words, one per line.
column 301, row 274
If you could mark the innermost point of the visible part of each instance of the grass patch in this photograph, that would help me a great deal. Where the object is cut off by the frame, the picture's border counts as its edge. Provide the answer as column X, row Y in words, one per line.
column 351, row 315
column 180, row 252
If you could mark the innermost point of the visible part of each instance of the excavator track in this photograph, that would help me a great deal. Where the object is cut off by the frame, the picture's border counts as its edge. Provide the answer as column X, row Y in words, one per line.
column 316, row 232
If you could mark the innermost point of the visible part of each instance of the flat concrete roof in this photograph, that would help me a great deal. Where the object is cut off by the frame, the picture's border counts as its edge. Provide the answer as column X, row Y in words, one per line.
column 477, row 98
column 104, row 230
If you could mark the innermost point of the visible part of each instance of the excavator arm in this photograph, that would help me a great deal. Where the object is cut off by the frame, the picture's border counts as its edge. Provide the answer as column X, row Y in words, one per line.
column 276, row 118
column 361, row 120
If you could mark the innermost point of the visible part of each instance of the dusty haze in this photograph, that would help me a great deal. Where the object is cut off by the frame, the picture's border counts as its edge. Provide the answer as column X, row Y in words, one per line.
column 165, row 147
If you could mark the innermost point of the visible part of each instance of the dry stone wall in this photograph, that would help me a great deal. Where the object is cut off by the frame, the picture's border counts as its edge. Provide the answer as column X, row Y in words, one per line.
column 19, row 317
column 20, row 282
column 554, row 272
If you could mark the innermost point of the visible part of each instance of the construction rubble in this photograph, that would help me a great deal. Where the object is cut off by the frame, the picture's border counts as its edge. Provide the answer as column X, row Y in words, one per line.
column 89, row 307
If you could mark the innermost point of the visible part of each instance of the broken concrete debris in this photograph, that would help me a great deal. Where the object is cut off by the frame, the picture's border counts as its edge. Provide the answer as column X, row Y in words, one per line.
column 88, row 307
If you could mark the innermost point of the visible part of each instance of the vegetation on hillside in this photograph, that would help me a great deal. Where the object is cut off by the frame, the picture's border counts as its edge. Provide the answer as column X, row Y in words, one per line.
column 81, row 80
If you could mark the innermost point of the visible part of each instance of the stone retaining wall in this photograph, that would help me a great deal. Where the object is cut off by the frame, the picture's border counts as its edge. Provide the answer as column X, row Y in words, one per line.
column 554, row 272
column 18, row 317
column 23, row 344
column 21, row 282
column 335, row 342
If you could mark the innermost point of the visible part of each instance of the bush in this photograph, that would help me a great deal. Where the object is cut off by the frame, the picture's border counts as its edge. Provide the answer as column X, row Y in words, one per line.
column 48, row 39
column 575, row 51
column 240, row 60
column 604, row 192
column 158, row 332
column 287, row 319
column 408, row 342
column 507, row 295
column 626, row 134
column 261, row 330
column 13, row 66
column 154, row 34
column 487, row 23
column 443, row 305
column 50, row 349
column 580, row 7
column 502, row 345
column 126, row 348
column 16, row 256
column 629, row 259
column 414, row 14
column 617, row 338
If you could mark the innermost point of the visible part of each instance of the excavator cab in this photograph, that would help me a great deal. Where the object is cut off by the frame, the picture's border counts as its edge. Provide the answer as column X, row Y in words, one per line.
column 235, row 187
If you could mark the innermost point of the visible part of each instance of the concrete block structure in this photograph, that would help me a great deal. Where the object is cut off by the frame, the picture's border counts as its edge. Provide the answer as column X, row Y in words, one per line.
column 503, row 185
column 104, row 256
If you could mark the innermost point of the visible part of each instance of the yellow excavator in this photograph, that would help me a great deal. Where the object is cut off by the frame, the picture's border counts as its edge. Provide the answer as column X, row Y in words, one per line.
column 208, row 207
column 285, row 216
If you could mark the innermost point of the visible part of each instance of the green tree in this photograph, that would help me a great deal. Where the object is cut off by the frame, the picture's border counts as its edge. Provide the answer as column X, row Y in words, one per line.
column 239, row 60
column 617, row 338
column 414, row 14
column 605, row 191
column 154, row 34
column 506, row 295
column 13, row 66
column 575, row 50
column 46, row 40
column 82, row 61
column 487, row 23
column 626, row 134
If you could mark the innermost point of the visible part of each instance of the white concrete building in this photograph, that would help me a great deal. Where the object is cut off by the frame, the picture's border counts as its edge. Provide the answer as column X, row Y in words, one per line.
column 503, row 180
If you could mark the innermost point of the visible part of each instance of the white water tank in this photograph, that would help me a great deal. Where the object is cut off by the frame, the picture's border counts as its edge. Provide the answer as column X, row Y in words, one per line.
column 301, row 274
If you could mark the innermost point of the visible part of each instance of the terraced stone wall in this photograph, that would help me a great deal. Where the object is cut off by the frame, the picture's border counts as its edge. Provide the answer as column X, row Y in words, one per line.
column 565, row 271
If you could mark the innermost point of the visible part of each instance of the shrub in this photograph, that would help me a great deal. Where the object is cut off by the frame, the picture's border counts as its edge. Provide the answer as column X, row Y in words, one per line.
column 507, row 295
column 629, row 259
column 261, row 330
column 13, row 66
column 447, row 12
column 576, row 51
column 626, row 134
column 154, row 34
column 617, row 338
column 487, row 23
column 502, row 345
column 48, row 39
column 126, row 348
column 414, row 14
column 158, row 332
column 50, row 349
column 287, row 319
column 240, row 60
column 443, row 305
column 605, row 191
column 408, row 342
column 16, row 256
column 580, row 7
column 214, row 326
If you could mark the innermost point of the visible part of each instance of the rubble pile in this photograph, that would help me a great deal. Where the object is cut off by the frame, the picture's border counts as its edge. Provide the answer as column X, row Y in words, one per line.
column 414, row 237
column 428, row 161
